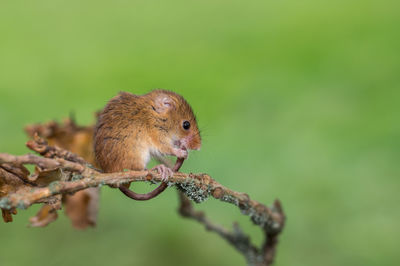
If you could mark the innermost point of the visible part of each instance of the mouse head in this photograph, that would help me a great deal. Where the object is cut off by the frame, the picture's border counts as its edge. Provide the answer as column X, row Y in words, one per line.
column 174, row 118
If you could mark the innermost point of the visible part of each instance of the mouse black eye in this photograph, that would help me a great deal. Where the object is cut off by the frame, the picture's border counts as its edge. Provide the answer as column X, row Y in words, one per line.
column 186, row 125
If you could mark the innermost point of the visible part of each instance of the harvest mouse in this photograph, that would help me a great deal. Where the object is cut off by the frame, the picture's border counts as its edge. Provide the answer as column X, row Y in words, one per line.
column 132, row 129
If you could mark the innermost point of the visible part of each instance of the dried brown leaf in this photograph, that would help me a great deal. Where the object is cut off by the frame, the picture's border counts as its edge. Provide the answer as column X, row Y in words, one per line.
column 18, row 170
column 45, row 215
column 9, row 183
column 68, row 136
column 82, row 207
column 44, row 178
column 7, row 214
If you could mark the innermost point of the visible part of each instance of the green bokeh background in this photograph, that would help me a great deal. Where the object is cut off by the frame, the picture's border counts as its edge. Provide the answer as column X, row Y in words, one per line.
column 297, row 100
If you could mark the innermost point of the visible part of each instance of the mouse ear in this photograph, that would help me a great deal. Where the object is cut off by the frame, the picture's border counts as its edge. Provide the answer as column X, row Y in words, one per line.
column 163, row 103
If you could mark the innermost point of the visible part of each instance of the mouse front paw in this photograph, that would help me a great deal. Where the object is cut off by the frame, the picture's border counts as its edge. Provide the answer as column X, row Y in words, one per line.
column 164, row 171
column 181, row 153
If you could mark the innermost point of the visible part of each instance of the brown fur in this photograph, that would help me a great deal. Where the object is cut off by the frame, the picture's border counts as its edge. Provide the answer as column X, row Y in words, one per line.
column 131, row 128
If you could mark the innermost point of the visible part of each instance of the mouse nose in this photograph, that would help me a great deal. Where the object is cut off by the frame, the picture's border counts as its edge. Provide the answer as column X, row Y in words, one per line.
column 194, row 142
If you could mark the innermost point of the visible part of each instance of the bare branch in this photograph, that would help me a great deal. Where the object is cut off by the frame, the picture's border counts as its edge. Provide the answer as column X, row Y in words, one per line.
column 67, row 173
column 241, row 242
column 41, row 162
column 40, row 146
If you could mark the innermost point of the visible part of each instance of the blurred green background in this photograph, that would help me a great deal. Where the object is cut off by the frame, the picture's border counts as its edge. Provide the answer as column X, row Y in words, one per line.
column 298, row 100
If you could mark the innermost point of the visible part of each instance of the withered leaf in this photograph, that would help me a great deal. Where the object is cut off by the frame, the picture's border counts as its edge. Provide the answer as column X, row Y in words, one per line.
column 7, row 214
column 82, row 207
column 9, row 183
column 17, row 170
column 45, row 177
column 45, row 215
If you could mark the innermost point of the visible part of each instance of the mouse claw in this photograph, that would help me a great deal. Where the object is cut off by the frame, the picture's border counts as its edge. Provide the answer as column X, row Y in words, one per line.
column 164, row 171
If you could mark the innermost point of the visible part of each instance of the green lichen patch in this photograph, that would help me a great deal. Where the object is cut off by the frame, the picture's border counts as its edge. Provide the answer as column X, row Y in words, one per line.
column 170, row 184
column 102, row 183
column 22, row 205
column 54, row 186
column 88, row 165
column 5, row 203
column 76, row 177
column 195, row 192
column 257, row 218
column 230, row 199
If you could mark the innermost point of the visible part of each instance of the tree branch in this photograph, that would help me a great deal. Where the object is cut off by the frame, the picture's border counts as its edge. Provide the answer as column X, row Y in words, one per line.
column 61, row 172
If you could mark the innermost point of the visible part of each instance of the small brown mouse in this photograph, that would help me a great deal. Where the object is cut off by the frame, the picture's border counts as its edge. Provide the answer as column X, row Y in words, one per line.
column 132, row 129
